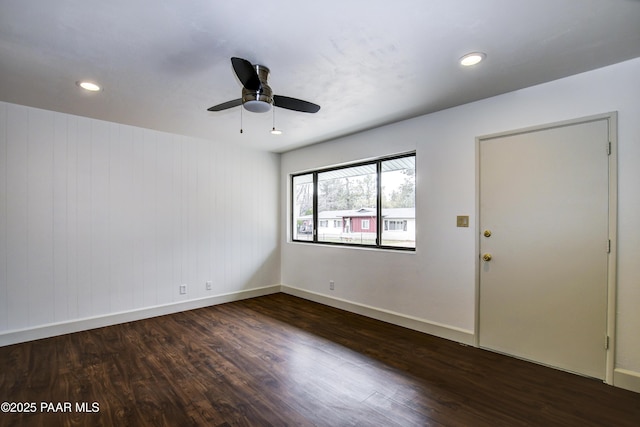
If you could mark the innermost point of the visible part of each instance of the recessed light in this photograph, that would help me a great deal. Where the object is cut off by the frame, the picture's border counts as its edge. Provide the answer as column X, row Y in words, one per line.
column 90, row 86
column 472, row 58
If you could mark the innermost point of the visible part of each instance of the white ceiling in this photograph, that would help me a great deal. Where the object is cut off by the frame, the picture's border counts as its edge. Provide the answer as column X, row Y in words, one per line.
column 162, row 63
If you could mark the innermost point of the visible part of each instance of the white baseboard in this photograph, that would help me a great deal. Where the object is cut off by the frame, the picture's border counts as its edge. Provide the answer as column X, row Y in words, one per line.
column 622, row 378
column 629, row 380
column 432, row 328
column 61, row 328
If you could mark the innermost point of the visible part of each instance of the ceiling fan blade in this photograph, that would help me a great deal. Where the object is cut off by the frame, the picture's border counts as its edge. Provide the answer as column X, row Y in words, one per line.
column 226, row 105
column 246, row 73
column 295, row 104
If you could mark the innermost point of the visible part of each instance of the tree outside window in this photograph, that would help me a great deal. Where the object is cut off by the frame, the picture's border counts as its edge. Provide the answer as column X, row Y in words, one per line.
column 370, row 203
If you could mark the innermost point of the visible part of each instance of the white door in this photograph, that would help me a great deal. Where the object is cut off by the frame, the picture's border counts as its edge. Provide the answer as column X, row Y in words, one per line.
column 544, row 218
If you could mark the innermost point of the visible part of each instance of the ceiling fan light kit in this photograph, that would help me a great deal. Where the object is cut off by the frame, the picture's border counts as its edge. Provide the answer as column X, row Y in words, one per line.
column 257, row 106
column 259, row 100
column 257, row 95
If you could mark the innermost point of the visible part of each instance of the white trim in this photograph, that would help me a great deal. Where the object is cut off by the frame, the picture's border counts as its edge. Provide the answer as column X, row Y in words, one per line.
column 622, row 378
column 53, row 329
column 629, row 380
column 432, row 328
column 612, row 279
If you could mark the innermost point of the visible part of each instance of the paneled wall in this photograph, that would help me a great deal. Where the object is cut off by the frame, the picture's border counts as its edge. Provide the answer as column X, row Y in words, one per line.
column 98, row 218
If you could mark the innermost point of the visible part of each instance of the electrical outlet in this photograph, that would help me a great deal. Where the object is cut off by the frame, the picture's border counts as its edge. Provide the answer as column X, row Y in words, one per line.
column 208, row 286
column 332, row 285
column 183, row 289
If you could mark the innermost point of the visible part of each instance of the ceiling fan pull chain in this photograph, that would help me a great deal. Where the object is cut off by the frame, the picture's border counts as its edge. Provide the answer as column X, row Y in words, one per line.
column 275, row 131
column 241, row 119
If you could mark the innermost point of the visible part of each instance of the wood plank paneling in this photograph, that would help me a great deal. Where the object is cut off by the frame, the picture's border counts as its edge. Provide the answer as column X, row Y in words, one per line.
column 17, row 185
column 60, row 198
column 84, row 220
column 122, row 199
column 40, row 215
column 150, row 228
column 99, row 218
column 100, row 228
column 70, row 292
column 164, row 210
column 281, row 360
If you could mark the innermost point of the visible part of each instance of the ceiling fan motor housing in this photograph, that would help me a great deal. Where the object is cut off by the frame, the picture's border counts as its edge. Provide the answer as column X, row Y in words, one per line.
column 261, row 100
column 257, row 96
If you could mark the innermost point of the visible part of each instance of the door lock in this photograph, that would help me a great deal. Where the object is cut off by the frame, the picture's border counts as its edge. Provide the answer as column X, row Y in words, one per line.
column 486, row 257
column 487, row 233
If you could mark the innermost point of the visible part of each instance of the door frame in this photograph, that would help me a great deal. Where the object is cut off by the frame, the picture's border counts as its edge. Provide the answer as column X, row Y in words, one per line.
column 612, row 121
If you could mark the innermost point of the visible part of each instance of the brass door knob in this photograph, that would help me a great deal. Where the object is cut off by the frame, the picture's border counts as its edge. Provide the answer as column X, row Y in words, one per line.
column 486, row 257
column 487, row 233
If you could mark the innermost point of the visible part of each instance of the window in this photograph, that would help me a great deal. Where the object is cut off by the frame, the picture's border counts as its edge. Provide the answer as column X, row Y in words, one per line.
column 366, row 204
column 303, row 206
column 393, row 225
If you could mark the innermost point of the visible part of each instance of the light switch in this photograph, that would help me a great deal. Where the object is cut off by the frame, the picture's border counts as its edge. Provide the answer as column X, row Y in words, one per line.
column 463, row 221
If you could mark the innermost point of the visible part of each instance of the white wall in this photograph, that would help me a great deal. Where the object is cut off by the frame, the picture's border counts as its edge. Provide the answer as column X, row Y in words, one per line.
column 98, row 218
column 435, row 287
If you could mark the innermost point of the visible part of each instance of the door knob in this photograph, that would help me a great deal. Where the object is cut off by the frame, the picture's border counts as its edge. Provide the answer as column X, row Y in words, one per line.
column 486, row 257
column 487, row 233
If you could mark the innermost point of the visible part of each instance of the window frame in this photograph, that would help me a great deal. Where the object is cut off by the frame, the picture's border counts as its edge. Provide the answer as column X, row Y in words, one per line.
column 379, row 223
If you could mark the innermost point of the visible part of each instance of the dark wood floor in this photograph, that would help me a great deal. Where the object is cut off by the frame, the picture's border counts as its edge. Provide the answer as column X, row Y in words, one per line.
column 279, row 360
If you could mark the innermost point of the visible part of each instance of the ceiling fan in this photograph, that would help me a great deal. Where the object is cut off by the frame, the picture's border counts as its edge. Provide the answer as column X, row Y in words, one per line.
column 257, row 96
